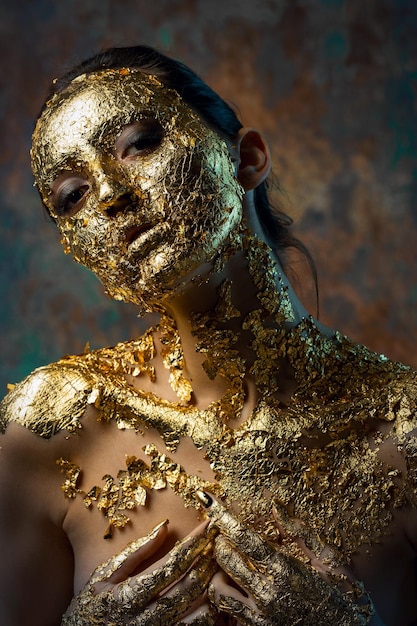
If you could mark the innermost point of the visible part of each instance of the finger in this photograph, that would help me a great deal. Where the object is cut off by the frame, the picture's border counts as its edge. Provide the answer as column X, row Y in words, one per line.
column 230, row 600
column 261, row 591
column 124, row 603
column 204, row 615
column 137, row 591
column 121, row 565
column 321, row 556
column 220, row 586
column 173, row 605
column 244, row 538
column 244, row 614
column 197, row 538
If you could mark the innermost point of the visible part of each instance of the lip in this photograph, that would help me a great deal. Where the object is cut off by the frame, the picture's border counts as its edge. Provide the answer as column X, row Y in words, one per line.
column 136, row 231
column 141, row 239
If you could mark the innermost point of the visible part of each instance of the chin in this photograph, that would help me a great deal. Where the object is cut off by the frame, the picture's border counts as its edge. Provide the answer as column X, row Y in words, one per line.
column 159, row 288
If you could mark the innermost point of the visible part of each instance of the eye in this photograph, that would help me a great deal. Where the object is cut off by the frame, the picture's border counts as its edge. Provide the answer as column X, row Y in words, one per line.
column 139, row 139
column 68, row 195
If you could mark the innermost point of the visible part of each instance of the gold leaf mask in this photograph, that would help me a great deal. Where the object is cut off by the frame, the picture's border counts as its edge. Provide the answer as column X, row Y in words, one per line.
column 143, row 192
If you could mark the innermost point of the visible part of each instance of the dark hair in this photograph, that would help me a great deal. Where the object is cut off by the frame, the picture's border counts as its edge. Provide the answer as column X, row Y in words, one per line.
column 209, row 105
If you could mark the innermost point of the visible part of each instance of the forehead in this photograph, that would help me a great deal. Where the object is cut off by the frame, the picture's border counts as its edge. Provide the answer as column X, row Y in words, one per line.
column 95, row 108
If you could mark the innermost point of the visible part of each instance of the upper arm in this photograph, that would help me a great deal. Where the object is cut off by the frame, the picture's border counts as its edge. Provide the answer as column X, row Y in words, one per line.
column 36, row 571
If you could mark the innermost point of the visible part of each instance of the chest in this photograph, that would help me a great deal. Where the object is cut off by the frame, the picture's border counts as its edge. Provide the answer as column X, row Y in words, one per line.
column 338, row 489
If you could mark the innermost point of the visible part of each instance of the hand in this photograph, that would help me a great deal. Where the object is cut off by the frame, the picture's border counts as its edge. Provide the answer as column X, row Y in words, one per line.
column 274, row 588
column 170, row 591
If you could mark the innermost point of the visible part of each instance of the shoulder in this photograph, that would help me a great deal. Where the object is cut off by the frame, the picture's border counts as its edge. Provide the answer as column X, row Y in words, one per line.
column 386, row 389
column 50, row 399
column 389, row 390
column 55, row 397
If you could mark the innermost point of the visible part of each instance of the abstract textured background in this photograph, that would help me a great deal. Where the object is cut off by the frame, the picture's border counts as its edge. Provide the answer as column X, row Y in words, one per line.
column 333, row 85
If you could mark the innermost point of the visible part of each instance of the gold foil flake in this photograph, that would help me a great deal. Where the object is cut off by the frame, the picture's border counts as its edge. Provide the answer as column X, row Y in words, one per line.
column 129, row 490
column 266, row 366
column 273, row 293
column 130, row 358
column 222, row 359
column 173, row 358
column 91, row 496
column 263, row 271
column 216, row 363
column 178, row 480
column 108, row 503
column 116, row 496
column 225, row 309
column 285, row 311
column 72, row 474
column 232, row 245
column 230, row 405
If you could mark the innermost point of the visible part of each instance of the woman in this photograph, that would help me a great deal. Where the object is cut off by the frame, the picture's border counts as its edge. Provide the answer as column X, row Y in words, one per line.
column 296, row 444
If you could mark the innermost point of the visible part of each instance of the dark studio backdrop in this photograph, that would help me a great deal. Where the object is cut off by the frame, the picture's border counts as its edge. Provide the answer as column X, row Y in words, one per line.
column 332, row 84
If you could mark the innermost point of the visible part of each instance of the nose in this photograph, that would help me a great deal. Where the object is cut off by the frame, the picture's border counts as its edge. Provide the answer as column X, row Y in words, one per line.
column 113, row 197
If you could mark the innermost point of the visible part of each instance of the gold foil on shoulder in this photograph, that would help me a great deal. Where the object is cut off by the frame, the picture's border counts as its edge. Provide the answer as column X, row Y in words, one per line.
column 51, row 399
column 131, row 357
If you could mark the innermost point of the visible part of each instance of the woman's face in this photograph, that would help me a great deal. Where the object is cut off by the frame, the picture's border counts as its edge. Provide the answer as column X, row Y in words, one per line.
column 142, row 191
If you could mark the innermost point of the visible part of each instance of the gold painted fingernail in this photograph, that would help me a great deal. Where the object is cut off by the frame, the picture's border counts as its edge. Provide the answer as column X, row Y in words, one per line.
column 157, row 528
column 205, row 499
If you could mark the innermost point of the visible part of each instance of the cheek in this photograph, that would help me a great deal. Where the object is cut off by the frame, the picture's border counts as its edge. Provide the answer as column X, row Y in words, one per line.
column 162, row 176
column 84, row 236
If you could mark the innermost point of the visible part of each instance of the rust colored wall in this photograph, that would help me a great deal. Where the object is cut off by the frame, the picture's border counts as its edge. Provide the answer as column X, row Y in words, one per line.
column 332, row 83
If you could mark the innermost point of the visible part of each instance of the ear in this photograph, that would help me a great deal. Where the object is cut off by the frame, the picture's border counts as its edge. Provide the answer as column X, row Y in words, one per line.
column 254, row 158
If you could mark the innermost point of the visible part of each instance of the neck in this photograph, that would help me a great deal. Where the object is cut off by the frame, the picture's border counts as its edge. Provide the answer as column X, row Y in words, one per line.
column 222, row 337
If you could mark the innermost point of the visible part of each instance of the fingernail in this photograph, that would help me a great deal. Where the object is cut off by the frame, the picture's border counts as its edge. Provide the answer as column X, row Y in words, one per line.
column 205, row 499
column 157, row 528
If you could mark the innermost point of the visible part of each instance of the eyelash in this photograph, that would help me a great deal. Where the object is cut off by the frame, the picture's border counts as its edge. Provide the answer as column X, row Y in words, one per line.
column 139, row 139
column 64, row 197
column 143, row 143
